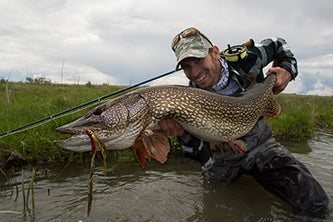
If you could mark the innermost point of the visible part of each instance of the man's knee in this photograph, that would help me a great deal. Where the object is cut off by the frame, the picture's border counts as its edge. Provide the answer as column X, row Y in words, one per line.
column 289, row 179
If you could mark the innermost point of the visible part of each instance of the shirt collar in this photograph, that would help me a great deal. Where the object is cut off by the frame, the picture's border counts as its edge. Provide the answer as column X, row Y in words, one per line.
column 224, row 78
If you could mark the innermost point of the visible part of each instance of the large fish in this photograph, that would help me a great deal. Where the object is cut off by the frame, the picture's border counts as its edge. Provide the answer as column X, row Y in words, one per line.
column 130, row 119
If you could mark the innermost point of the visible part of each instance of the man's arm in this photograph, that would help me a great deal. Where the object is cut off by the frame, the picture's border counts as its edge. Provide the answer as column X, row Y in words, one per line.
column 284, row 65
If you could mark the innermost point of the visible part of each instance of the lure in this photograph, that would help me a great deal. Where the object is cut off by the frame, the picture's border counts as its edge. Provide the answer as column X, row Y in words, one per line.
column 96, row 142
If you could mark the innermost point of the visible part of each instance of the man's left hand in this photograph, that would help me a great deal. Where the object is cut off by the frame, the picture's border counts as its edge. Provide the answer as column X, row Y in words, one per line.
column 283, row 77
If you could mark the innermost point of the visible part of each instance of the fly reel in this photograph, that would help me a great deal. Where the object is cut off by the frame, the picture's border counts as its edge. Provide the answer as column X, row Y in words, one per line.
column 234, row 53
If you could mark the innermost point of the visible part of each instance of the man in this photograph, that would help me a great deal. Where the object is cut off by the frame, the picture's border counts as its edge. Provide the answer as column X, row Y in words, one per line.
column 267, row 161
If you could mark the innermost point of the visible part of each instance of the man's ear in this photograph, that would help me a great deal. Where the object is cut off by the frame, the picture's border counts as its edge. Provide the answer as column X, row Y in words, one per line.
column 215, row 52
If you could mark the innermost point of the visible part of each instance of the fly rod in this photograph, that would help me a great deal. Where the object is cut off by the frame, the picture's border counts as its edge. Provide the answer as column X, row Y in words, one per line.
column 85, row 104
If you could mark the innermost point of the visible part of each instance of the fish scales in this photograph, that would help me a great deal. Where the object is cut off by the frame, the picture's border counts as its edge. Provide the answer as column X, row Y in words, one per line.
column 209, row 116
column 214, row 113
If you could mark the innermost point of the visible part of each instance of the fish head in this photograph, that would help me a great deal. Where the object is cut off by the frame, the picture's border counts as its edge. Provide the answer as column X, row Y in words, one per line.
column 117, row 123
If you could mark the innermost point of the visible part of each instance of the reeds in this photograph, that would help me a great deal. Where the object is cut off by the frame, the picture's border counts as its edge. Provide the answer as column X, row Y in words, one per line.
column 30, row 189
column 25, row 194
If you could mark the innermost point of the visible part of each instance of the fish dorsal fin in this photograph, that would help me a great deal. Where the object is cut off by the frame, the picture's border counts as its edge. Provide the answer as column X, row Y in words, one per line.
column 156, row 146
column 272, row 108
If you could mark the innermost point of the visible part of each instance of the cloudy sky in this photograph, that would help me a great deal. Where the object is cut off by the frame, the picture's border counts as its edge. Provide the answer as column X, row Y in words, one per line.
column 128, row 41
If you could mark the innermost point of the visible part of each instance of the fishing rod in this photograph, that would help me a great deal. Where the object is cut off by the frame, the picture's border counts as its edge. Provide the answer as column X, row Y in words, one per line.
column 85, row 104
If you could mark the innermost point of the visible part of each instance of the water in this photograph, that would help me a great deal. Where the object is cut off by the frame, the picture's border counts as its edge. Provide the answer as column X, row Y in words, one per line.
column 175, row 191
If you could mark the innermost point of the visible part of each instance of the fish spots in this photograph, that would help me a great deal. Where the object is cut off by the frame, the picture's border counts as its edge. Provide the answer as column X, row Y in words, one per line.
column 211, row 113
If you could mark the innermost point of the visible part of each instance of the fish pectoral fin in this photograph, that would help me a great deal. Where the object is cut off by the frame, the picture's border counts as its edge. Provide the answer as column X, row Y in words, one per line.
column 237, row 145
column 218, row 145
column 157, row 145
column 272, row 109
column 141, row 152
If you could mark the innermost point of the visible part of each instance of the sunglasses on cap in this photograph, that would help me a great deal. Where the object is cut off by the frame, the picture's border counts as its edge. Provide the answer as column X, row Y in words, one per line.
column 187, row 33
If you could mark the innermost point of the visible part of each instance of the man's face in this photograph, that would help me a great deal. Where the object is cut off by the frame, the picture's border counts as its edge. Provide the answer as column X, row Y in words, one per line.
column 204, row 72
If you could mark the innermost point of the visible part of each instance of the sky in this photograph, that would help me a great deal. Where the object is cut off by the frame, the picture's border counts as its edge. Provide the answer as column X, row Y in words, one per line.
column 124, row 42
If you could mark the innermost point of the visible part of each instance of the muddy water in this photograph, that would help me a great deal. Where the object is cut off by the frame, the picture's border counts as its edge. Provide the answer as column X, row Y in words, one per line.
column 175, row 191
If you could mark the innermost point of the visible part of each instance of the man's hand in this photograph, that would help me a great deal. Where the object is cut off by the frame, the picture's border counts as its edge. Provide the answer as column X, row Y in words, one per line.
column 172, row 128
column 283, row 77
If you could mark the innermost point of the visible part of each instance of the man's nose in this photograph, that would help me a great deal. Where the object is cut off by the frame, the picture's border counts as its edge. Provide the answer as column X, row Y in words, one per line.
column 195, row 70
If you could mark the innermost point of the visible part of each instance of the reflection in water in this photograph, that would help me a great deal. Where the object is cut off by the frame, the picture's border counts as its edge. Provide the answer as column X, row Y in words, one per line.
column 175, row 191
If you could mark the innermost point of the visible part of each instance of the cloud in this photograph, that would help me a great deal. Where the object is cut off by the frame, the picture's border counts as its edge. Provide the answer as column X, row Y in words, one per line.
column 177, row 78
column 123, row 42
column 320, row 89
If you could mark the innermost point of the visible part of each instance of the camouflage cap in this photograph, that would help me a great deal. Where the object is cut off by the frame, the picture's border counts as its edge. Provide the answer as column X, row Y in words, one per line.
column 195, row 46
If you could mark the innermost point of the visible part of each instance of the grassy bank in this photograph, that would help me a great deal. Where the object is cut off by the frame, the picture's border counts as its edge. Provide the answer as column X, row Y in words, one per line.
column 23, row 103
column 301, row 116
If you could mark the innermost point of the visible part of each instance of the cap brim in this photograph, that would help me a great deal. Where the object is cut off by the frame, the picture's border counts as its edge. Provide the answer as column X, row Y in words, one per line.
column 192, row 53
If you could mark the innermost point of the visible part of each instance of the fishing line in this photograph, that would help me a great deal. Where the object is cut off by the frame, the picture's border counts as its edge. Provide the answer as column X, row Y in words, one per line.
column 88, row 104
column 39, row 122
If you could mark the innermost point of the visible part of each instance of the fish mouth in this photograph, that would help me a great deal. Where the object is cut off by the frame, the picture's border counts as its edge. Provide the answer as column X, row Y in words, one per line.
column 79, row 141
column 69, row 131
column 78, row 126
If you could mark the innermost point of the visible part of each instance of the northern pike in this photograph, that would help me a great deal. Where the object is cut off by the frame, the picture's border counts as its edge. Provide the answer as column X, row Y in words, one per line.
column 130, row 120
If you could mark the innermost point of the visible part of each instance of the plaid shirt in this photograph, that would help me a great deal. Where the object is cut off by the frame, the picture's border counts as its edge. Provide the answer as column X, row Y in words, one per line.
column 269, row 50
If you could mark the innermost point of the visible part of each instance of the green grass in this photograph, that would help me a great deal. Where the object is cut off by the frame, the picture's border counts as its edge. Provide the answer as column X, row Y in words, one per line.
column 31, row 102
column 301, row 116
column 27, row 102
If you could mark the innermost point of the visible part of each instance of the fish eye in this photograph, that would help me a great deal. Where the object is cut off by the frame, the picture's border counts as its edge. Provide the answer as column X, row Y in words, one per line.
column 98, row 111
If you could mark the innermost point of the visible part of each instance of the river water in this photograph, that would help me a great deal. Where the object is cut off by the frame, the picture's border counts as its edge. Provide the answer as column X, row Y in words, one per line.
column 175, row 191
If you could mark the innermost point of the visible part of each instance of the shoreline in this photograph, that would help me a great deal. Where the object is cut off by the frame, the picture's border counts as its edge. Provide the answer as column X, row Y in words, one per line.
column 23, row 103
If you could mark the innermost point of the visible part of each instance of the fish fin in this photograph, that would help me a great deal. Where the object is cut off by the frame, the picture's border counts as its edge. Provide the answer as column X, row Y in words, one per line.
column 157, row 145
column 214, row 145
column 273, row 108
column 141, row 153
column 237, row 145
